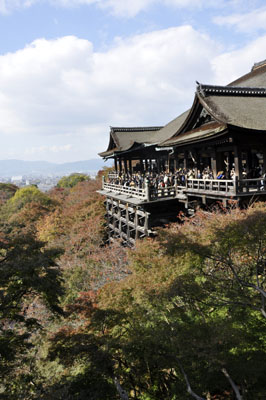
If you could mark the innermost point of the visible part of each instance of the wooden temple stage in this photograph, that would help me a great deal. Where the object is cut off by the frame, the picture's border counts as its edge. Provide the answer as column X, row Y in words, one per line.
column 223, row 132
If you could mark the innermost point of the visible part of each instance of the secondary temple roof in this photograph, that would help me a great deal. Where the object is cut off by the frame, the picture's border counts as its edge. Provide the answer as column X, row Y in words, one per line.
column 242, row 103
column 122, row 139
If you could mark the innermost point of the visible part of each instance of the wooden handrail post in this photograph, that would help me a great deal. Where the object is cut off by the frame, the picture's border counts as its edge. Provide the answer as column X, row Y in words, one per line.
column 235, row 180
column 147, row 189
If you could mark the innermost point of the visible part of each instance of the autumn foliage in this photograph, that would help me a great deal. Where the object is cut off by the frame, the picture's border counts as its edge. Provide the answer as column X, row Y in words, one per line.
column 181, row 316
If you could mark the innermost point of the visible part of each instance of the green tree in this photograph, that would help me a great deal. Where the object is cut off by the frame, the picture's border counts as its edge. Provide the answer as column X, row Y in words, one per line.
column 30, row 281
column 72, row 180
column 25, row 198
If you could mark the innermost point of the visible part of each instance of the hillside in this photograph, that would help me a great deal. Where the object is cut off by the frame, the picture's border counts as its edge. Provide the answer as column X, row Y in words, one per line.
column 181, row 316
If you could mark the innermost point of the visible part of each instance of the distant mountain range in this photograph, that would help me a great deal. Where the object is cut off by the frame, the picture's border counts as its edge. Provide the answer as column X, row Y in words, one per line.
column 9, row 168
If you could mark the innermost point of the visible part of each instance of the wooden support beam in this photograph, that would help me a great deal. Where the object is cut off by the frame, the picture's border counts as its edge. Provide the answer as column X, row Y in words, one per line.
column 214, row 163
column 136, row 220
column 175, row 163
column 146, row 165
column 127, row 222
column 237, row 161
column 125, row 166
column 264, row 160
column 120, row 165
column 185, row 159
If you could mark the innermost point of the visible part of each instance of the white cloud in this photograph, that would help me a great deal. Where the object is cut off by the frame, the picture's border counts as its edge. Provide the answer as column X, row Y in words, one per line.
column 231, row 65
column 247, row 22
column 59, row 96
column 62, row 91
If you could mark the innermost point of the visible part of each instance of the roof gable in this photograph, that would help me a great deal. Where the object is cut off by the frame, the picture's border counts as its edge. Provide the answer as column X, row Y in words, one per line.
column 243, row 107
column 124, row 138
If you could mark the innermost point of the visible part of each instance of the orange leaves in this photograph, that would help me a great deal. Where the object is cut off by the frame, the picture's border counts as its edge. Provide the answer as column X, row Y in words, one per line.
column 84, row 305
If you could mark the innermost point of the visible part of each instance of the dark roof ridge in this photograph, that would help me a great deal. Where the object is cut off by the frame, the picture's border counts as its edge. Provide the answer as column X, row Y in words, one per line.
column 133, row 129
column 229, row 90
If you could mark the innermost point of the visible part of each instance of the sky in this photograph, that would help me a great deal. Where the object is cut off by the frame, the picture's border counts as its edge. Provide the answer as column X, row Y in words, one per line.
column 70, row 69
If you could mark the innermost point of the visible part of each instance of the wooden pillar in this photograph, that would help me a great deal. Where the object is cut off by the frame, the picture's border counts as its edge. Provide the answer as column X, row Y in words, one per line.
column 214, row 163
column 136, row 223
column 120, row 165
column 147, row 188
column 175, row 163
column 264, row 160
column 127, row 219
column 119, row 220
column 146, row 165
column 185, row 159
column 115, row 162
column 125, row 165
column 130, row 166
column 237, row 161
column 249, row 161
column 158, row 165
column 141, row 166
column 168, row 163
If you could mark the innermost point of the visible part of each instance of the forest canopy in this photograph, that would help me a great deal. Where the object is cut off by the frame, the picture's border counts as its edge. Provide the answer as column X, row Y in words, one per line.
column 181, row 316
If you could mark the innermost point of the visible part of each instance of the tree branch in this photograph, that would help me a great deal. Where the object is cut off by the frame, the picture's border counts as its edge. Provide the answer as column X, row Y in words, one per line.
column 232, row 383
column 189, row 390
column 122, row 393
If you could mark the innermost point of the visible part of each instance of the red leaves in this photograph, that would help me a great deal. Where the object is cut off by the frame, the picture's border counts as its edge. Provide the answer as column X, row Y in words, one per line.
column 85, row 305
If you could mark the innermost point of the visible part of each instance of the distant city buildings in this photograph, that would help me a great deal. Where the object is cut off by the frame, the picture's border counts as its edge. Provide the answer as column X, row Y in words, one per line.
column 44, row 183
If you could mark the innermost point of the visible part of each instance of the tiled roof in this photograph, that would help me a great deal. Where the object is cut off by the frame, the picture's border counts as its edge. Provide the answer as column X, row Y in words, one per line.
column 244, row 108
column 123, row 138
column 202, row 133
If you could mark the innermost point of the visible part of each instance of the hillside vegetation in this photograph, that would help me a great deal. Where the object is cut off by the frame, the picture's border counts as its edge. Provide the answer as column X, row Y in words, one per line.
column 182, row 316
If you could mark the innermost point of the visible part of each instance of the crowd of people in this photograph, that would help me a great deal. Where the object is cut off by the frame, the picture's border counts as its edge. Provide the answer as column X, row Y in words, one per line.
column 179, row 177
column 166, row 179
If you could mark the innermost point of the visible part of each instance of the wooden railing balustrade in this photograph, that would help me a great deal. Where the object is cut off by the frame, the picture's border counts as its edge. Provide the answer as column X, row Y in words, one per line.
column 129, row 191
column 223, row 187
column 212, row 185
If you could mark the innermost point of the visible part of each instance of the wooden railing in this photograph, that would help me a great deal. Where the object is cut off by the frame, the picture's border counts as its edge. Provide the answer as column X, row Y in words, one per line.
column 216, row 187
column 255, row 185
column 211, row 185
column 128, row 191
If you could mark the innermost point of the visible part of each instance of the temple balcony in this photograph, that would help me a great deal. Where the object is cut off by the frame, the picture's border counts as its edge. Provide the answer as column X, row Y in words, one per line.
column 204, row 188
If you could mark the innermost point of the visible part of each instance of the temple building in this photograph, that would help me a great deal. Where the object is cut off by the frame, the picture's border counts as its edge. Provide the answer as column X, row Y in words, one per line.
column 215, row 151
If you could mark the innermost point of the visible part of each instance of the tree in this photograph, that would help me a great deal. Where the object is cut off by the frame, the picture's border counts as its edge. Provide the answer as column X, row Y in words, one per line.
column 72, row 180
column 30, row 281
column 7, row 190
column 181, row 325
column 24, row 198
